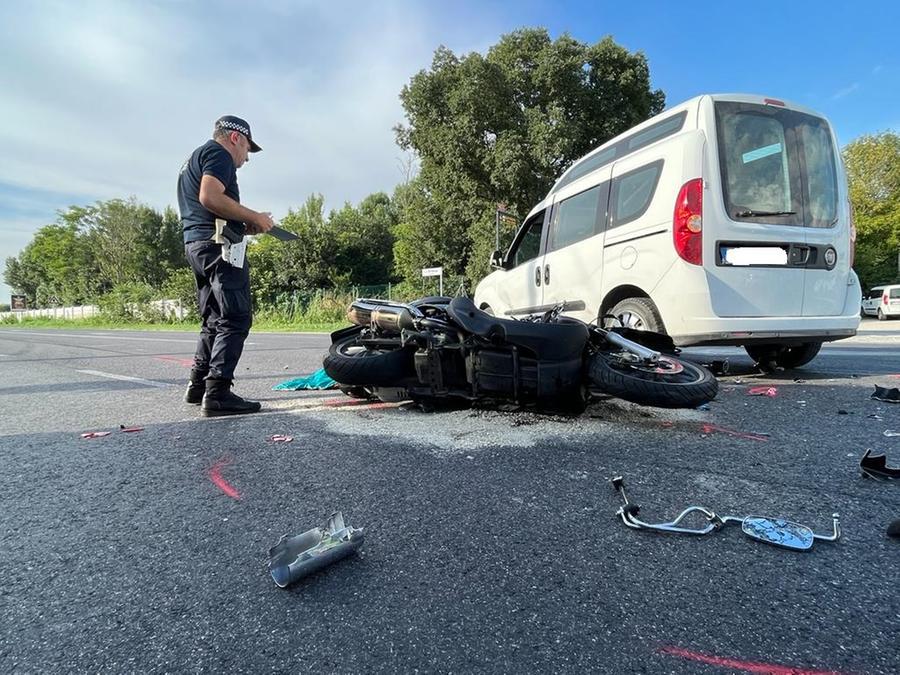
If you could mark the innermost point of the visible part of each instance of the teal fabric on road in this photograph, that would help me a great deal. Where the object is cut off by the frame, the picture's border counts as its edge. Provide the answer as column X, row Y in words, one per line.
column 318, row 380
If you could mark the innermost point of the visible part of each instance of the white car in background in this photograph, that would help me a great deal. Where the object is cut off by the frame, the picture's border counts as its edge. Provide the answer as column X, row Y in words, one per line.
column 722, row 221
column 882, row 301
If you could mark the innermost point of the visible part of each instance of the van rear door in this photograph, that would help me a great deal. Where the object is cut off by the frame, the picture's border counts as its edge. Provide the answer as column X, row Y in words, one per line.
column 768, row 250
column 826, row 218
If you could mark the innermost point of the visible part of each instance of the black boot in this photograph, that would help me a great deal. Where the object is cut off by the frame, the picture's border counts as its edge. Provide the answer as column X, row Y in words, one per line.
column 196, row 387
column 218, row 400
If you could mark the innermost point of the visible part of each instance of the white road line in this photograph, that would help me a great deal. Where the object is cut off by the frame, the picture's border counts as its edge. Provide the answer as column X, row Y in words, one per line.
column 126, row 378
column 106, row 336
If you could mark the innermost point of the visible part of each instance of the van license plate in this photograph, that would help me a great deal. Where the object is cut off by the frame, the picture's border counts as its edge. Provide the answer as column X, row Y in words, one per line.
column 754, row 255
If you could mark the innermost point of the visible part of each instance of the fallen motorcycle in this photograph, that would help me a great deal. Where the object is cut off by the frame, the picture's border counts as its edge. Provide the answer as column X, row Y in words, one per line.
column 440, row 350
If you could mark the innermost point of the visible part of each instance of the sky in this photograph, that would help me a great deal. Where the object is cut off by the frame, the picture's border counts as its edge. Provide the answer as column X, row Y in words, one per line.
column 103, row 100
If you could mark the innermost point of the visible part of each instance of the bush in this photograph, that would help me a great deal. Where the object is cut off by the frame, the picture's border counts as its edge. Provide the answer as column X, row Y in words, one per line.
column 182, row 286
column 129, row 302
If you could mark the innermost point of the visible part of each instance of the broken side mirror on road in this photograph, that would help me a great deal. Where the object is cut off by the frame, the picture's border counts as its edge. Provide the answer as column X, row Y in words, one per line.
column 775, row 531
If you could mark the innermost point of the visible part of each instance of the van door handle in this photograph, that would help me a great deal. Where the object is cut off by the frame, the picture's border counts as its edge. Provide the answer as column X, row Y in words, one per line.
column 537, row 275
column 546, row 275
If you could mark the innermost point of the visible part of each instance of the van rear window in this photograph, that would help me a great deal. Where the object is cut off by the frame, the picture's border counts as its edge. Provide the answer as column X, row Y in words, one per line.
column 777, row 165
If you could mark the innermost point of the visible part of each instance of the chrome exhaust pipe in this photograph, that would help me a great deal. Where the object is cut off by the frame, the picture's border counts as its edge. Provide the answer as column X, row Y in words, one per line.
column 388, row 316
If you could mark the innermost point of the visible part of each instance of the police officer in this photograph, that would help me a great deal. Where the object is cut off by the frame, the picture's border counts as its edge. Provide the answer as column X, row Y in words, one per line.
column 208, row 189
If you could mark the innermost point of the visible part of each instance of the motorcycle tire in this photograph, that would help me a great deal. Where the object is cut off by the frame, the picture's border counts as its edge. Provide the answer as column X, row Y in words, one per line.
column 691, row 386
column 350, row 363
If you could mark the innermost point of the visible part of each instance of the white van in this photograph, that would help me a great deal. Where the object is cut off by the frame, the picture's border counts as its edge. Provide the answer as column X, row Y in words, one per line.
column 882, row 301
column 722, row 221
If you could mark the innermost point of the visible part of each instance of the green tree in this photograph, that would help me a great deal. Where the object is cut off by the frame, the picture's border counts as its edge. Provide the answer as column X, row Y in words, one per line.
column 873, row 174
column 364, row 241
column 56, row 263
column 134, row 243
column 500, row 128
column 284, row 268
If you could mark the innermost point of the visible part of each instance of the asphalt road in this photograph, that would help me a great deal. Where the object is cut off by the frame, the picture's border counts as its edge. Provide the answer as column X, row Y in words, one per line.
column 491, row 537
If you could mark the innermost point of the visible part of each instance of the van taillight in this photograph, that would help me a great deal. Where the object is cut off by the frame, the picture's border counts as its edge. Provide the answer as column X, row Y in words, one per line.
column 687, row 229
column 884, row 298
column 852, row 234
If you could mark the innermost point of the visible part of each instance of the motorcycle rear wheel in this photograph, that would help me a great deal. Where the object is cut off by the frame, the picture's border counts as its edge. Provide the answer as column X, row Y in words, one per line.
column 685, row 385
column 351, row 363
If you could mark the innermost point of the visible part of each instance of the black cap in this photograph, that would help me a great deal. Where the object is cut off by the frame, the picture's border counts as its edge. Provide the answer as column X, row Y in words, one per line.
column 237, row 124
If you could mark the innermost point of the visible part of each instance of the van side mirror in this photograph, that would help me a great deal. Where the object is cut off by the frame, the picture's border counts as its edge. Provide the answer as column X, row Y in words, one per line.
column 497, row 260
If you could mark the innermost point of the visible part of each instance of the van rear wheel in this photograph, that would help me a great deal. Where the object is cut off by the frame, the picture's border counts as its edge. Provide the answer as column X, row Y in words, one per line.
column 636, row 313
column 881, row 316
column 785, row 356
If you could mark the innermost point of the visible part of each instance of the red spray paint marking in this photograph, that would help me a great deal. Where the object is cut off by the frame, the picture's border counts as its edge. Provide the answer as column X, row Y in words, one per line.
column 215, row 476
column 747, row 666
column 710, row 428
column 359, row 403
column 344, row 402
column 187, row 363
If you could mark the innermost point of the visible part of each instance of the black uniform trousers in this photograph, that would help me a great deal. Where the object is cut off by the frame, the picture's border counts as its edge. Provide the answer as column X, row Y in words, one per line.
column 223, row 295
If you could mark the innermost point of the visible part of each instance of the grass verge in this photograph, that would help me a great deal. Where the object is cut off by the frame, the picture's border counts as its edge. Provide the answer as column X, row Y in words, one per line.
column 259, row 326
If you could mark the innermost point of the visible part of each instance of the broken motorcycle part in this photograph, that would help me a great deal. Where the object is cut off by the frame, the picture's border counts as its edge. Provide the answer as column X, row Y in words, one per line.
column 875, row 466
column 293, row 558
column 775, row 531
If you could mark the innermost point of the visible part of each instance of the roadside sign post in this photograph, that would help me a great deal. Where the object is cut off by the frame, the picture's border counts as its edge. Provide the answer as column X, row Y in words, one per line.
column 18, row 304
column 435, row 272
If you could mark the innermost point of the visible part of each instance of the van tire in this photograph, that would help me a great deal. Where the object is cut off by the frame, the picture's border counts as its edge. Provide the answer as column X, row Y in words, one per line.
column 637, row 313
column 787, row 356
column 881, row 316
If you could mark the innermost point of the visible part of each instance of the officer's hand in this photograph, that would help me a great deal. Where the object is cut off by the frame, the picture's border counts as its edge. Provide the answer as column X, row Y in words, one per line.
column 264, row 222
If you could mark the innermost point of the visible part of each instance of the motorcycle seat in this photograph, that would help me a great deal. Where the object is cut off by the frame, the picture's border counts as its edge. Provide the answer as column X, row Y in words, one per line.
column 548, row 341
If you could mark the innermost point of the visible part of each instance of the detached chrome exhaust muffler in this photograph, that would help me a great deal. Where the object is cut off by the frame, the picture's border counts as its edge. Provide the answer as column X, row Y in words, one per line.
column 389, row 316
column 293, row 558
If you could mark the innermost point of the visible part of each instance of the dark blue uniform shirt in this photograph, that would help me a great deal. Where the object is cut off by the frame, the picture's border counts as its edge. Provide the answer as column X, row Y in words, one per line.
column 210, row 159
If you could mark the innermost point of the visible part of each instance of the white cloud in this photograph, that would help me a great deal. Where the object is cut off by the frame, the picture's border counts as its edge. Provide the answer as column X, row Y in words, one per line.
column 841, row 93
column 110, row 97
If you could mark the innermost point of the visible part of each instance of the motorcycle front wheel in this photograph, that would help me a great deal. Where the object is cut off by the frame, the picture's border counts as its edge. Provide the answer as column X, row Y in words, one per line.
column 673, row 383
column 350, row 362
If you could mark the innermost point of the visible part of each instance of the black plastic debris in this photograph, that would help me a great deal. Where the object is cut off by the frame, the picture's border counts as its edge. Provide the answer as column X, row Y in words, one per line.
column 894, row 529
column 718, row 367
column 293, row 558
column 891, row 395
column 875, row 466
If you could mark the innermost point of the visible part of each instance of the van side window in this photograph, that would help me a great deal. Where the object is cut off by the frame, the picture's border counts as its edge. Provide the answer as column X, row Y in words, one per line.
column 587, row 165
column 527, row 245
column 576, row 218
column 895, row 293
column 659, row 130
column 632, row 193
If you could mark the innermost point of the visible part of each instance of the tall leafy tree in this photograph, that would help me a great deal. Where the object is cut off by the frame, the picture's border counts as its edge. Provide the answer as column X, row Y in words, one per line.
column 873, row 174
column 500, row 128
column 282, row 268
column 133, row 242
column 364, row 241
column 56, row 265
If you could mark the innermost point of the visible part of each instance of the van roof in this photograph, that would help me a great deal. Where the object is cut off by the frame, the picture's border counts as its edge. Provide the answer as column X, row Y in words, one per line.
column 688, row 105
